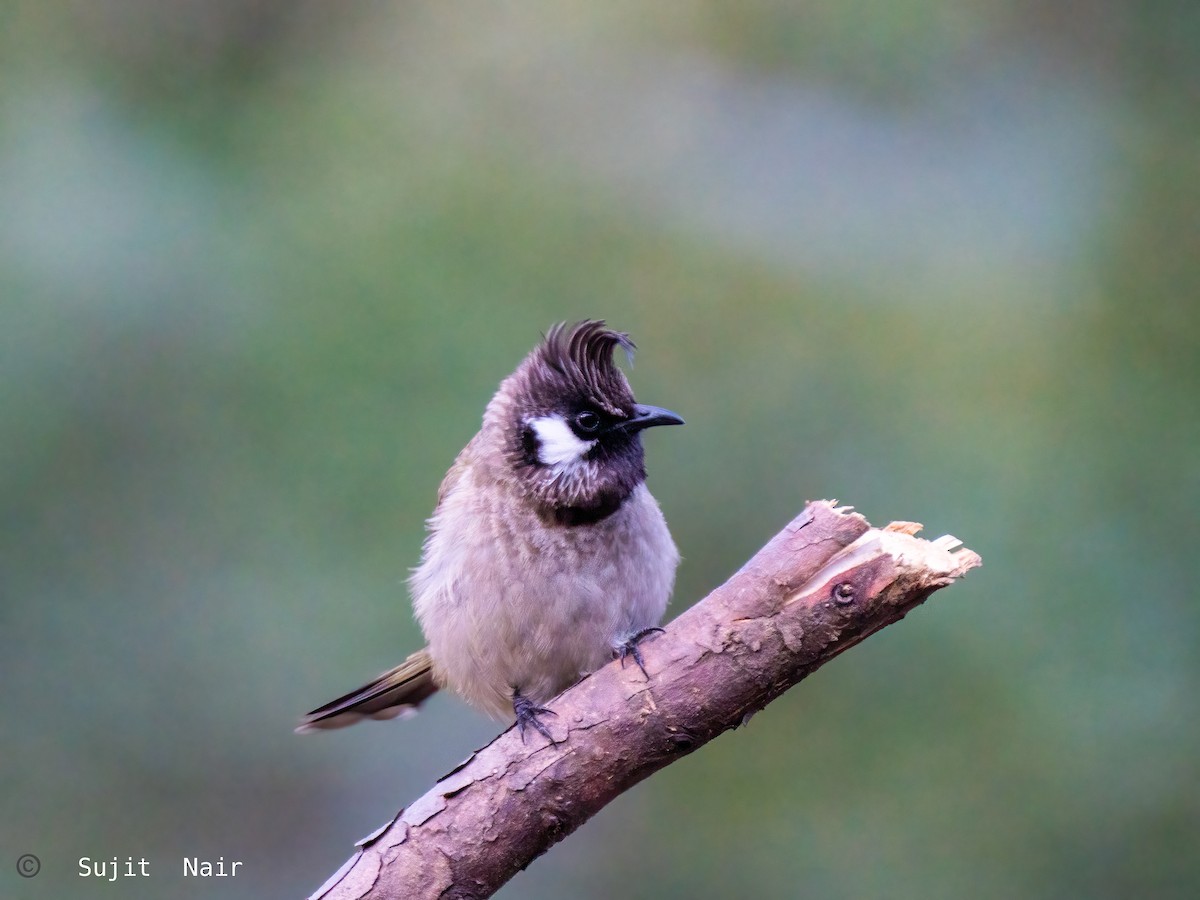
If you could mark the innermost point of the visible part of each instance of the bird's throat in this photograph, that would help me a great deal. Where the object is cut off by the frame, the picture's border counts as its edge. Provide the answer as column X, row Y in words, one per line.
column 572, row 516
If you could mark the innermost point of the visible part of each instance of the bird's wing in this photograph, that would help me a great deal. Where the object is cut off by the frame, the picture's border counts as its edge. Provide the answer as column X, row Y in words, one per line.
column 461, row 463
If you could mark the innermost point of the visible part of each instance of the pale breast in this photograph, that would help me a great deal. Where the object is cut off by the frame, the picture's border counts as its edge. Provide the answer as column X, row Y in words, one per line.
column 508, row 602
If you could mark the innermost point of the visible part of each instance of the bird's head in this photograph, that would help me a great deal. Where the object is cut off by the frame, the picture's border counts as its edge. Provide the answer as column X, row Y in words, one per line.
column 569, row 425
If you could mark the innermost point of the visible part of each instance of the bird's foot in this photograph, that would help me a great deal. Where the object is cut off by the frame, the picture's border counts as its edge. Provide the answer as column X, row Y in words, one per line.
column 630, row 648
column 527, row 713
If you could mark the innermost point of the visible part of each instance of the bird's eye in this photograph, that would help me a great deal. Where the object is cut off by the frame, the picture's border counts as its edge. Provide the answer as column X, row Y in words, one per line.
column 588, row 421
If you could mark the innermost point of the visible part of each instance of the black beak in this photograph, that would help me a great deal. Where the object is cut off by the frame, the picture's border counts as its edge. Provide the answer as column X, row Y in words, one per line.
column 648, row 417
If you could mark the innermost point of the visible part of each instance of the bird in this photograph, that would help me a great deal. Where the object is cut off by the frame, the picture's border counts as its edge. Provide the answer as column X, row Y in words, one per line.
column 546, row 555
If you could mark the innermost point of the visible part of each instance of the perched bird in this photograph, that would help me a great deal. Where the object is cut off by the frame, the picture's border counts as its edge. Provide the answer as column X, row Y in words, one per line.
column 546, row 555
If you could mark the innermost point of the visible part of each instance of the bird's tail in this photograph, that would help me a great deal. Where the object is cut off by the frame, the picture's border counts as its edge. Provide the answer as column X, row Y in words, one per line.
column 396, row 692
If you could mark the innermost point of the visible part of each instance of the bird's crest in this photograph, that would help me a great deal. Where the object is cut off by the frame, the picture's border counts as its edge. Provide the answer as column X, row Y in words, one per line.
column 583, row 355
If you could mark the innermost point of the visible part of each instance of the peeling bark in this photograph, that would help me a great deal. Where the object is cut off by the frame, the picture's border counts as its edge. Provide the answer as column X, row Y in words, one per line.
column 821, row 585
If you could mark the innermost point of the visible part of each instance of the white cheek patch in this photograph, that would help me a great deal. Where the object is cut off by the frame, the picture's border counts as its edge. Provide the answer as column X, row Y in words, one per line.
column 558, row 445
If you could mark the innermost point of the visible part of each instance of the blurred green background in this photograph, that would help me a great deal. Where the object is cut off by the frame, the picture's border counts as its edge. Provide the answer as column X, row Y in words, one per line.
column 263, row 263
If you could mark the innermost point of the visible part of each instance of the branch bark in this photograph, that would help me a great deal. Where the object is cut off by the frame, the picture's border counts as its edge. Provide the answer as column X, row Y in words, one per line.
column 821, row 585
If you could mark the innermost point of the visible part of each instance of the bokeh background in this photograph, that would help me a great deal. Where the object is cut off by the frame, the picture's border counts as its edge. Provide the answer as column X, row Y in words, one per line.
column 262, row 264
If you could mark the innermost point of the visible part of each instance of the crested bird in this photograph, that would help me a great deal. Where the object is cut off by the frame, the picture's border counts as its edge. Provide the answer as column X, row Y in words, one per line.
column 546, row 555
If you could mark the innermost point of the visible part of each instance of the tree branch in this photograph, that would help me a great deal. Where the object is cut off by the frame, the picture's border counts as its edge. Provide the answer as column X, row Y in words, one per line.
column 821, row 585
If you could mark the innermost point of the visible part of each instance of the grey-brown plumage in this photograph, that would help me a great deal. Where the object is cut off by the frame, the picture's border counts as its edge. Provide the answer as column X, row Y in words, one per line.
column 546, row 553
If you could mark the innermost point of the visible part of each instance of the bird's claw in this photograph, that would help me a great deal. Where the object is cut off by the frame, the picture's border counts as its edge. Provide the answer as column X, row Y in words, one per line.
column 630, row 648
column 527, row 713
